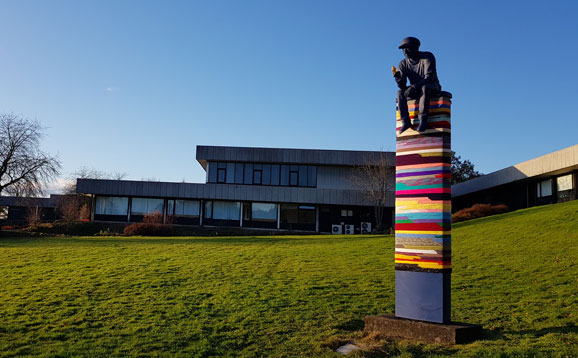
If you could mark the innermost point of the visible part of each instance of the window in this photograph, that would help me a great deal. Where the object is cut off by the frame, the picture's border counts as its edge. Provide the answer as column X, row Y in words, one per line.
column 230, row 173
column 222, row 210
column 284, row 179
column 248, row 173
column 545, row 188
column 257, row 174
column 266, row 176
column 297, row 214
column 238, row 173
column 275, row 174
column 221, row 172
column 564, row 182
column 187, row 208
column 142, row 206
column 312, row 176
column 263, row 212
column 345, row 212
column 110, row 205
column 293, row 175
column 302, row 175
column 170, row 207
column 212, row 172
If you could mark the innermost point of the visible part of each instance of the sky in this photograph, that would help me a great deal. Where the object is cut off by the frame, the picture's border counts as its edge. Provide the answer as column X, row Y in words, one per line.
column 134, row 86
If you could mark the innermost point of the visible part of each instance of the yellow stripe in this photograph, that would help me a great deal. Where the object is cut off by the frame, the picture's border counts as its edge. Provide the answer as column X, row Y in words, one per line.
column 401, row 206
column 431, row 265
column 406, row 257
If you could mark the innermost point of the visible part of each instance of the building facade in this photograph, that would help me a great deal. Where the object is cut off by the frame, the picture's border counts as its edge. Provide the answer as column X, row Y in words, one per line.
column 268, row 188
column 548, row 179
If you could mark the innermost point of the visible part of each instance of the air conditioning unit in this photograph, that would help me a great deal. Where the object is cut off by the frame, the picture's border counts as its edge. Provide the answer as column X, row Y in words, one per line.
column 365, row 228
column 349, row 230
column 337, row 229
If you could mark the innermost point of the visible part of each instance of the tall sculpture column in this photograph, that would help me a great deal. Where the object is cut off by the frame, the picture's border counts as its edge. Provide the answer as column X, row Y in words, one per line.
column 423, row 215
column 423, row 205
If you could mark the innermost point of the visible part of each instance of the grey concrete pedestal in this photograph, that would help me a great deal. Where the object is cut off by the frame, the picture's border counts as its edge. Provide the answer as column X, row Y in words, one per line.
column 407, row 329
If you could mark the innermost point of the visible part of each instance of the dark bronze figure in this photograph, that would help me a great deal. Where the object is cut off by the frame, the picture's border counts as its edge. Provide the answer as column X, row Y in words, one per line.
column 420, row 68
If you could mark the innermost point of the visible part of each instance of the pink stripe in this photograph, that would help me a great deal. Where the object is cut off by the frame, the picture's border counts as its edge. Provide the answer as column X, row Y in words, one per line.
column 424, row 191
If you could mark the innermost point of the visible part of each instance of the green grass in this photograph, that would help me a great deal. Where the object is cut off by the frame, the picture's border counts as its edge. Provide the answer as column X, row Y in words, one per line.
column 516, row 274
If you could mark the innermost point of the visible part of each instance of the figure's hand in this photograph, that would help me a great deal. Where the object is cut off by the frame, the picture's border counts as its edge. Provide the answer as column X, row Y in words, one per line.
column 410, row 92
column 395, row 72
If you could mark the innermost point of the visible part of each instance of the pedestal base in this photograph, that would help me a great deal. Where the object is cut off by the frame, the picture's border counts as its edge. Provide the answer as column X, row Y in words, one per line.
column 400, row 328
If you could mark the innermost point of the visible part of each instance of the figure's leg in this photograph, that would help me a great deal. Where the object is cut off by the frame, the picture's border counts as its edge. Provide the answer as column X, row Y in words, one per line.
column 424, row 107
column 403, row 111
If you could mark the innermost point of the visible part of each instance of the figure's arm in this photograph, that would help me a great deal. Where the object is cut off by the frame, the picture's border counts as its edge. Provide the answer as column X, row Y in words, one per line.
column 399, row 78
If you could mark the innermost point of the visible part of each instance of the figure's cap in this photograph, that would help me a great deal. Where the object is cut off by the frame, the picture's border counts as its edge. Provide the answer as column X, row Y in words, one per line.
column 409, row 41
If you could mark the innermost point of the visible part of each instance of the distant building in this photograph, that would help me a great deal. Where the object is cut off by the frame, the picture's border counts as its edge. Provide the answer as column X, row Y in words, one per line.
column 15, row 209
column 271, row 188
column 548, row 179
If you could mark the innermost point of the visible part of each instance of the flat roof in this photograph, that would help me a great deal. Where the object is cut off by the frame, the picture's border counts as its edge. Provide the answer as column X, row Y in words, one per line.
column 558, row 162
column 50, row 202
column 289, row 156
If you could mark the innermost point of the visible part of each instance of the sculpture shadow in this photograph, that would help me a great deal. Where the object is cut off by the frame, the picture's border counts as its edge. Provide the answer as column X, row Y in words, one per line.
column 351, row 325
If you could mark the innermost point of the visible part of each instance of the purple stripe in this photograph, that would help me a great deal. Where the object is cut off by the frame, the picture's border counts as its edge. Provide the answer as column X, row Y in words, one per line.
column 419, row 173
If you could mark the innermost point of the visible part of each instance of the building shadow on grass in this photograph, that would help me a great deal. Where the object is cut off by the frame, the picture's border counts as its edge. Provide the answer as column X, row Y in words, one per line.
column 501, row 334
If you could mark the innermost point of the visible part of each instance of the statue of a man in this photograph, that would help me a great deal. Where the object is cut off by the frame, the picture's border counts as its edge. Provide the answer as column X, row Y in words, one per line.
column 420, row 68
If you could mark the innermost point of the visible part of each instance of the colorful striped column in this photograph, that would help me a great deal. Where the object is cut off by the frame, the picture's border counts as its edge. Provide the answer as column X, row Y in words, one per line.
column 423, row 216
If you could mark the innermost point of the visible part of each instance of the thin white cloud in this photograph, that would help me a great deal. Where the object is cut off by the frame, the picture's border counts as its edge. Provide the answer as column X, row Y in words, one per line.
column 112, row 89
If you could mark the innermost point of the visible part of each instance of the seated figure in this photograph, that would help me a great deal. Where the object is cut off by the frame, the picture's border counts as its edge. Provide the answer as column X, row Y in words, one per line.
column 420, row 68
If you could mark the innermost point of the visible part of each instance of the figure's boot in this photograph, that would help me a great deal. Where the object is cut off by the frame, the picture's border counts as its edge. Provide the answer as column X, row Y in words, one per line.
column 422, row 123
column 406, row 125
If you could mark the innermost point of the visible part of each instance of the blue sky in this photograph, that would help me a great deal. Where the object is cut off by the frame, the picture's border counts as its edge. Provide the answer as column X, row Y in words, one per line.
column 134, row 86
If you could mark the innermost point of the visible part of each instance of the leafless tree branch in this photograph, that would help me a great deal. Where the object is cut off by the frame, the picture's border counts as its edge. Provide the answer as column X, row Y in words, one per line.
column 376, row 178
column 24, row 168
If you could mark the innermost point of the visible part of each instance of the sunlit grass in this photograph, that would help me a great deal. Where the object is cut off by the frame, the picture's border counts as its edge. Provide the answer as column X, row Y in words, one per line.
column 516, row 274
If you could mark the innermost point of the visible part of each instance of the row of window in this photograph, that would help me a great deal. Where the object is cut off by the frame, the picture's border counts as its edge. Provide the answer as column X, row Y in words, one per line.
column 262, row 174
column 213, row 209
column 112, row 205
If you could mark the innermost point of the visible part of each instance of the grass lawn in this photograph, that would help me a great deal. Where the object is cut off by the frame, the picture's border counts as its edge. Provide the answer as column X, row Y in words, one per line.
column 516, row 274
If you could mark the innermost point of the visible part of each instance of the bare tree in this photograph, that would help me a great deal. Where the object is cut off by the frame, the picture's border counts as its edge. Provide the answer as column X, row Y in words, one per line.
column 376, row 177
column 72, row 206
column 24, row 168
column 89, row 173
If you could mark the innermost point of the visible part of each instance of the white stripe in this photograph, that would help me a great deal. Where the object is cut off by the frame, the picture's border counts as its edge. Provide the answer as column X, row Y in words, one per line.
column 417, row 251
column 446, row 150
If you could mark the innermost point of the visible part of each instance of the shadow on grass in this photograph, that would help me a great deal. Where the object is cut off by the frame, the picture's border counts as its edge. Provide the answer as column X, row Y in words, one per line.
column 544, row 331
column 501, row 335
column 351, row 325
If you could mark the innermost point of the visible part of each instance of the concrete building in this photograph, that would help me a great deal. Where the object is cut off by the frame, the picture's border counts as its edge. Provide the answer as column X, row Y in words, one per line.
column 548, row 179
column 270, row 188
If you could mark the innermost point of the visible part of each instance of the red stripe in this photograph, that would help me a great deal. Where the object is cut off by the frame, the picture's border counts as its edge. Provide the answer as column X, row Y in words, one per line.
column 421, row 227
column 445, row 175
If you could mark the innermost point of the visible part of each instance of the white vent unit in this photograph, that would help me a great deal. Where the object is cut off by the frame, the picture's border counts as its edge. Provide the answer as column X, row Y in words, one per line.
column 337, row 229
column 349, row 230
column 365, row 228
